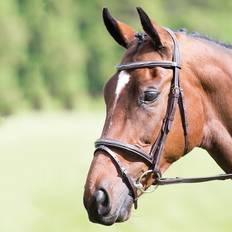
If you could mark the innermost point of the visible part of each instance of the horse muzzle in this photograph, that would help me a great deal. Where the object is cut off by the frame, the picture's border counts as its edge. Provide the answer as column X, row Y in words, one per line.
column 107, row 207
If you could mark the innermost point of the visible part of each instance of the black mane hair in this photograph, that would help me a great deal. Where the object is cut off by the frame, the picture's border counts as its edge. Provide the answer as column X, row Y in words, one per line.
column 205, row 37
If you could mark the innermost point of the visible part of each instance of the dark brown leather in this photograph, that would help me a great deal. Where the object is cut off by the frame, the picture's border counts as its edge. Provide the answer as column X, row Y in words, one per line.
column 122, row 171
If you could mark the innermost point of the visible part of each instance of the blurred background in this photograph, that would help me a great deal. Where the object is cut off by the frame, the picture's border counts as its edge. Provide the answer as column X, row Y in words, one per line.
column 55, row 57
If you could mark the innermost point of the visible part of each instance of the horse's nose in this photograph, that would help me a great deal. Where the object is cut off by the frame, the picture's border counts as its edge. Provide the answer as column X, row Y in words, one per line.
column 101, row 202
column 99, row 205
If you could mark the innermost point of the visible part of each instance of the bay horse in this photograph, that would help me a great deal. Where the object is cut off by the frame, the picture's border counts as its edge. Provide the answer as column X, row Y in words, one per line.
column 167, row 82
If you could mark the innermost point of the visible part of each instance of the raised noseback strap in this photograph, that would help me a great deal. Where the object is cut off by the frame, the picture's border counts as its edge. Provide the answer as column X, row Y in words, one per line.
column 126, row 147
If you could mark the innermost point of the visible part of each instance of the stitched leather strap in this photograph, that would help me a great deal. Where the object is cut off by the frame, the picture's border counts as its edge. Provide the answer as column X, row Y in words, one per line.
column 179, row 180
column 122, row 171
column 147, row 64
column 126, row 147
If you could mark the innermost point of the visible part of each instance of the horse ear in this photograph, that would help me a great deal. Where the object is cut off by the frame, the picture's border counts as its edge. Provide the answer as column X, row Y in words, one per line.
column 122, row 33
column 149, row 28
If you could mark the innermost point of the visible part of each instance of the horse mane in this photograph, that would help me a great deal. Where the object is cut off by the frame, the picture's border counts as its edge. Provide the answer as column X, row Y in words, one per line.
column 204, row 37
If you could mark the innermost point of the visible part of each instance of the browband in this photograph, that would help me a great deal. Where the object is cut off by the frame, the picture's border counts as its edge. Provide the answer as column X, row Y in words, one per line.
column 147, row 64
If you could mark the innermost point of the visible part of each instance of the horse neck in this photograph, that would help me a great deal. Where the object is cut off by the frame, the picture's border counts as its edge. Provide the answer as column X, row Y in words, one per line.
column 211, row 66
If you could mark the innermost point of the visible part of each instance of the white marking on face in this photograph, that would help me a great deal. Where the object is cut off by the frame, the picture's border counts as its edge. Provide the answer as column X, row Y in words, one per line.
column 123, row 79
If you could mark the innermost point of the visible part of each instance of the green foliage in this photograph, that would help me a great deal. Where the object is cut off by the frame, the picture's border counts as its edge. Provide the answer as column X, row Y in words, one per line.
column 54, row 53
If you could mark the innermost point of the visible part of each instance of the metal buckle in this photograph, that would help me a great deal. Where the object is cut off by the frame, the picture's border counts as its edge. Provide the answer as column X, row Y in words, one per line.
column 138, row 184
column 176, row 90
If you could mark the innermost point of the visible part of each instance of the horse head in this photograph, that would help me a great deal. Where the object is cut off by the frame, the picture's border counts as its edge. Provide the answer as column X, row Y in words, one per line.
column 138, row 101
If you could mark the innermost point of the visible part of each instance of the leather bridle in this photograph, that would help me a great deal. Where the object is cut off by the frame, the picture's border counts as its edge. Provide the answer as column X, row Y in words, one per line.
column 152, row 160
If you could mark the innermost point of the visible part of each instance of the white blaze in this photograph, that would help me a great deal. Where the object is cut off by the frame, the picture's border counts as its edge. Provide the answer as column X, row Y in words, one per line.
column 123, row 79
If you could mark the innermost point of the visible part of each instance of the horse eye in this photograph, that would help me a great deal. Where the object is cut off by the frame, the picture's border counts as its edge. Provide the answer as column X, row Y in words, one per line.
column 149, row 96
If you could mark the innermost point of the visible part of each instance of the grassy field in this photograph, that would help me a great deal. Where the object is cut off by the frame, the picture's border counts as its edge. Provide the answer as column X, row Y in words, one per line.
column 44, row 160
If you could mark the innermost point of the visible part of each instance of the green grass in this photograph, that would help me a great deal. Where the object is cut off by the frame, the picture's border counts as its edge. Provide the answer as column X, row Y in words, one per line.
column 44, row 160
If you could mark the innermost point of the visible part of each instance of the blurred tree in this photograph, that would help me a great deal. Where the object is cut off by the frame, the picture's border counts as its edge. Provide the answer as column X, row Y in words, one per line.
column 55, row 53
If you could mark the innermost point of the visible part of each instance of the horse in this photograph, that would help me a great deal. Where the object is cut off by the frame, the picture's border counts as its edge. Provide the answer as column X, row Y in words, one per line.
column 170, row 94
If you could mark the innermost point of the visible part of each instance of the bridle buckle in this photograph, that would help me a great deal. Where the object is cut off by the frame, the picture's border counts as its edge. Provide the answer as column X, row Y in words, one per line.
column 176, row 90
column 138, row 184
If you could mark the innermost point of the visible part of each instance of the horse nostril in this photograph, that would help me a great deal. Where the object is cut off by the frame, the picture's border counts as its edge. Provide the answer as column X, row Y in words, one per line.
column 100, row 197
column 101, row 202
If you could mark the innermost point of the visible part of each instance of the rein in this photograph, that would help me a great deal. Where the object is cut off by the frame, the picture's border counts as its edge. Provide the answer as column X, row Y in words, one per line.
column 152, row 159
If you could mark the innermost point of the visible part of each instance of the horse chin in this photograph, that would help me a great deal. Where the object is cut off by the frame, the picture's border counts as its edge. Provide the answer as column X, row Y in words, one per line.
column 125, row 210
